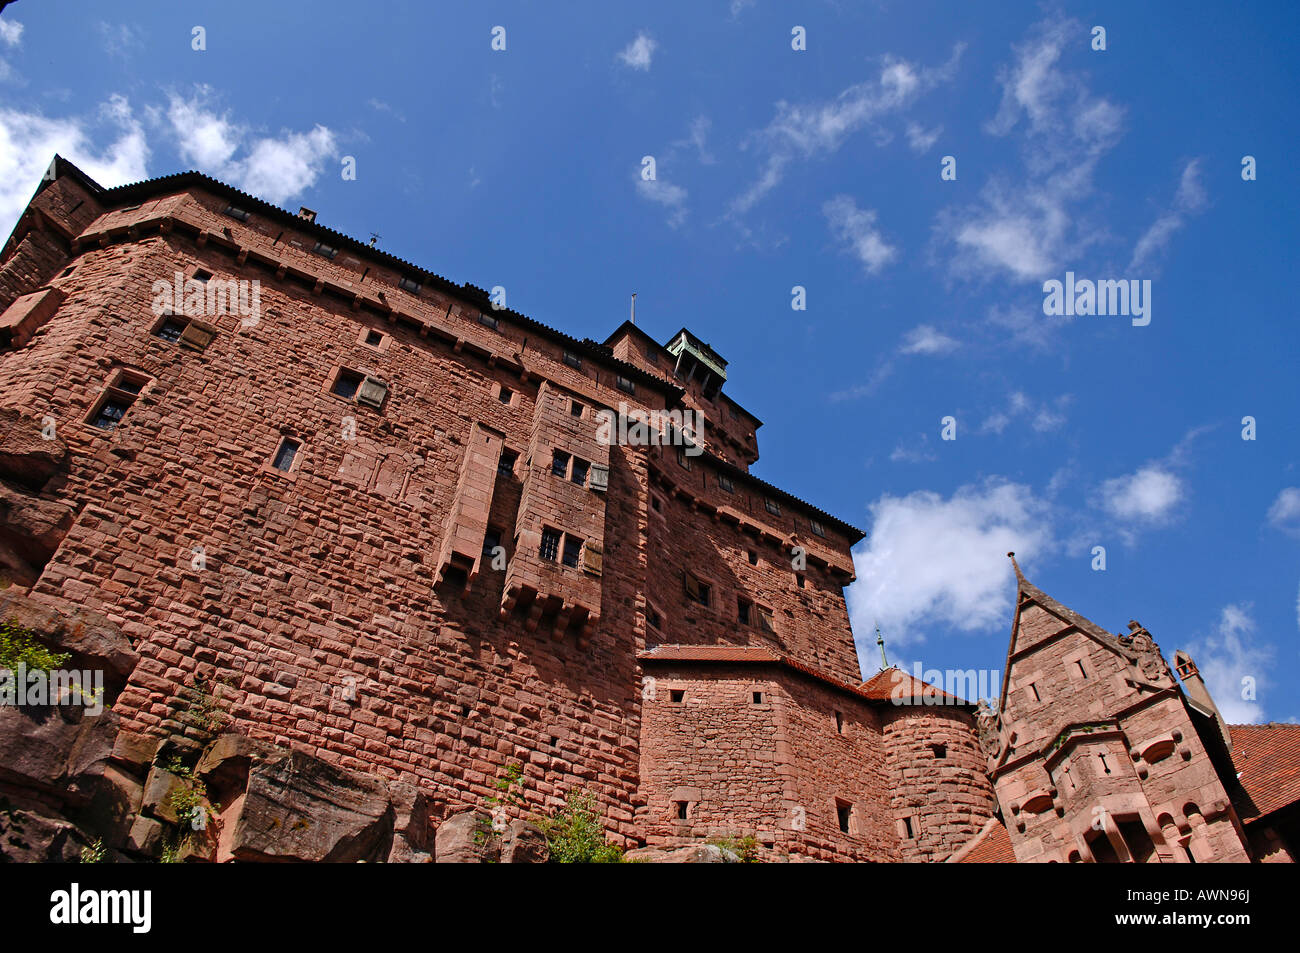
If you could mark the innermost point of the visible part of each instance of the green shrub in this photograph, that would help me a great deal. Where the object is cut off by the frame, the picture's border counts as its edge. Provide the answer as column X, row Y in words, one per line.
column 18, row 646
column 575, row 834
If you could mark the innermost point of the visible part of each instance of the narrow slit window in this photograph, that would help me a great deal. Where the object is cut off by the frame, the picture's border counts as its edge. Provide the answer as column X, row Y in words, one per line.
column 683, row 809
column 757, row 698
column 839, row 722
column 1082, row 673
column 742, row 611
column 844, row 815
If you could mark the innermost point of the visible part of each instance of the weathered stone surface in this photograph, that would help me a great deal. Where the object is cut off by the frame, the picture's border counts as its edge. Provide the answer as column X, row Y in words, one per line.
column 524, row 843
column 161, row 792
column 461, row 839
column 55, row 750
column 300, row 808
column 26, row 457
column 93, row 641
column 134, row 750
column 27, row 837
column 145, row 836
column 32, row 525
column 700, row 854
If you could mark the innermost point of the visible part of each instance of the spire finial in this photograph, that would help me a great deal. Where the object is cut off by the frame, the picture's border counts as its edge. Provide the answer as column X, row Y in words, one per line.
column 880, row 641
column 1016, row 566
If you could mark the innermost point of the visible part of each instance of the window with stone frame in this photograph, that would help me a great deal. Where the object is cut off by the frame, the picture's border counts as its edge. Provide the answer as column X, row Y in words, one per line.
column 118, row 397
column 550, row 543
column 697, row 590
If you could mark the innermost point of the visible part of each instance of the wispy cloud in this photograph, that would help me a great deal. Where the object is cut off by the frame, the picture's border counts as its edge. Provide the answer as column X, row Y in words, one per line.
column 1026, row 224
column 803, row 131
column 639, row 53
column 1235, row 665
column 1284, row 514
column 924, row 339
column 856, row 228
column 1043, row 416
column 920, row 139
column 1188, row 200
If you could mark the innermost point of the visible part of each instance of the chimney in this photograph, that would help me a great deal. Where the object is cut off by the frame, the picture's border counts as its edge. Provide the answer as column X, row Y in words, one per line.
column 1198, row 694
column 305, row 212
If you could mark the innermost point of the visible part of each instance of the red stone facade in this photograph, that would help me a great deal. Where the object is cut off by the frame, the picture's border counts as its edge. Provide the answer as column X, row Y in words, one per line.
column 381, row 517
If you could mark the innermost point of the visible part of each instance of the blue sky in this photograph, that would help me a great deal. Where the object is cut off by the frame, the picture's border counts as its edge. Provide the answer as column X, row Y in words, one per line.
column 819, row 168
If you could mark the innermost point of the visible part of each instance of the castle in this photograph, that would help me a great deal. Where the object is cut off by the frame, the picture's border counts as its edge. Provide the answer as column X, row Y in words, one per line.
column 386, row 523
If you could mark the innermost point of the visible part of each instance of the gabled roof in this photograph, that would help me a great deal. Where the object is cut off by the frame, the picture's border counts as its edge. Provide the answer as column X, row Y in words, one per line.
column 1267, row 758
column 1025, row 588
column 893, row 682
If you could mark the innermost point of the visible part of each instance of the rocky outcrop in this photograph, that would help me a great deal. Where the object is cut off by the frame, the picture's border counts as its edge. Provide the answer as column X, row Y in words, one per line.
column 32, row 524
column 71, row 781
column 700, row 854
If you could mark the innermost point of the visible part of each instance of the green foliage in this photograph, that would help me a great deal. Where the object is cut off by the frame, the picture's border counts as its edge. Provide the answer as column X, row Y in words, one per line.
column 94, row 853
column 746, row 848
column 575, row 833
column 18, row 646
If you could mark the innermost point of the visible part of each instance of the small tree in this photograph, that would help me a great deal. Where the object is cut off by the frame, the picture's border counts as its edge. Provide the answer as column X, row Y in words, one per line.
column 575, row 834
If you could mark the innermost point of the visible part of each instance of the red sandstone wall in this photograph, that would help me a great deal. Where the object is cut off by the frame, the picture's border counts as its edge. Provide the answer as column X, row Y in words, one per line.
column 945, row 794
column 775, row 769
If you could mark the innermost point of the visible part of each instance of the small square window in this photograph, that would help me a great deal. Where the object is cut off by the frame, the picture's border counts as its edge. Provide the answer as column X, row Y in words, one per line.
column 560, row 463
column 374, row 338
column 550, row 543
column 579, row 474
column 505, row 395
column 488, row 321
column 753, row 558
column 772, row 506
column 506, row 465
column 817, row 528
column 406, row 284
column 285, row 454
column 325, row 251
column 939, row 751
column 572, row 550
column 575, row 408
column 347, row 383
column 677, row 696
column 625, row 385
column 110, row 413
column 683, row 809
column 726, row 484
column 696, row 589
column 757, row 698
column 202, row 276
column 573, row 360
column 237, row 213
column 171, row 329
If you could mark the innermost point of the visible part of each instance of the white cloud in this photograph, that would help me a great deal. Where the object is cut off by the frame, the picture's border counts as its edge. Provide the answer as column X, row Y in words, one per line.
column 935, row 561
column 671, row 197
column 1146, row 496
column 819, row 128
column 1234, row 665
column 639, row 52
column 857, row 228
column 1043, row 416
column 11, row 32
column 924, row 339
column 1026, row 225
column 273, row 169
column 1284, row 514
column 28, row 141
column 119, row 39
column 1188, row 200
column 919, row 139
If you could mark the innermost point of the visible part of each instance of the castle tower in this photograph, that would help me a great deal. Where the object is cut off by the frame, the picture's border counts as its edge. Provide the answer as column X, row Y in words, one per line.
column 1096, row 755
